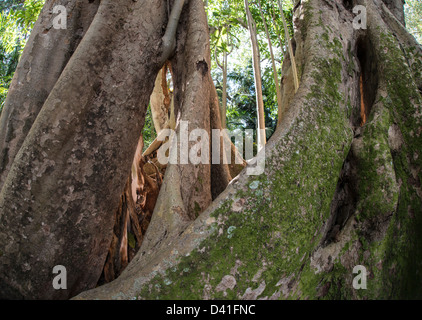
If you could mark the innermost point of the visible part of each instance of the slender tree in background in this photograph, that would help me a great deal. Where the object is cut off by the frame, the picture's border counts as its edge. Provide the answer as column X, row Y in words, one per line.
column 224, row 68
column 334, row 194
column 256, row 58
column 277, row 30
column 275, row 73
column 289, row 45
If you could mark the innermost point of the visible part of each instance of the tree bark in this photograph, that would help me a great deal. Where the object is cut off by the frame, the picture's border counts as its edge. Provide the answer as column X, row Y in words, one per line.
column 45, row 55
column 61, row 191
column 188, row 189
column 160, row 101
column 334, row 195
column 224, row 95
column 223, row 67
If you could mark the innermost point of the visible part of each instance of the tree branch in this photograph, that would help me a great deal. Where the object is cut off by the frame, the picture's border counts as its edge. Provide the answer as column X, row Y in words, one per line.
column 169, row 38
column 295, row 78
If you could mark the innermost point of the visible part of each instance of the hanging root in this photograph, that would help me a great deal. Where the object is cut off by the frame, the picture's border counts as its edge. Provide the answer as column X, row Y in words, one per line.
column 169, row 38
column 160, row 100
column 134, row 213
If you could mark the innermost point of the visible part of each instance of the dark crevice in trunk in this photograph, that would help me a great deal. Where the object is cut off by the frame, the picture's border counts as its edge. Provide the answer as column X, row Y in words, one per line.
column 133, row 215
column 348, row 4
column 368, row 81
column 346, row 196
column 343, row 205
column 115, row 263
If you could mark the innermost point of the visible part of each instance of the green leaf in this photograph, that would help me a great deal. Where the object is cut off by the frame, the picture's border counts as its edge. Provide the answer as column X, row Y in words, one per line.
column 131, row 240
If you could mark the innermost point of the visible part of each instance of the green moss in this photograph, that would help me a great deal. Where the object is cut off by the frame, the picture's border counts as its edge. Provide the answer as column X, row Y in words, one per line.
column 131, row 240
column 307, row 18
column 197, row 209
column 401, row 249
column 272, row 236
column 415, row 59
column 378, row 189
column 279, row 226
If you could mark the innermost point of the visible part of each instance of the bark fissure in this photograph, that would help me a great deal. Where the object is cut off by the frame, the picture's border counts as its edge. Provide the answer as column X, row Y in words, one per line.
column 345, row 200
column 368, row 77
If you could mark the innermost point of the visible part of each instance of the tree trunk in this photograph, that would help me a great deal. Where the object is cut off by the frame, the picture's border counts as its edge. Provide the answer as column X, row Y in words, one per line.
column 80, row 150
column 275, row 74
column 256, row 59
column 61, row 191
column 290, row 47
column 224, row 95
column 45, row 55
column 223, row 67
column 334, row 194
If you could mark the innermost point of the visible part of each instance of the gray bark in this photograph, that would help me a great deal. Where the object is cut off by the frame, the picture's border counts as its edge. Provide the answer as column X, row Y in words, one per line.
column 58, row 201
column 334, row 195
column 45, row 55
column 396, row 8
